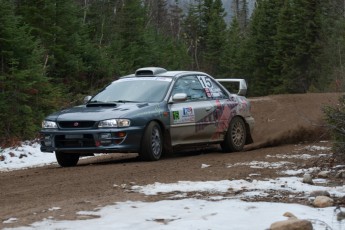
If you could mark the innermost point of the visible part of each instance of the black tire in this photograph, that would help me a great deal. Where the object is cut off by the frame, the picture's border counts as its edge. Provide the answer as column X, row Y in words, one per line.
column 67, row 159
column 151, row 143
column 235, row 137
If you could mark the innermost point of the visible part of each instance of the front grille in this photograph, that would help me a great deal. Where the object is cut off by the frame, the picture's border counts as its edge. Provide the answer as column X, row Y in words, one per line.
column 76, row 124
column 66, row 141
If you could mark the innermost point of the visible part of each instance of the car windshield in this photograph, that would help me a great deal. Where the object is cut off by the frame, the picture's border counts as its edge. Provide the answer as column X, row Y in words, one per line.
column 148, row 89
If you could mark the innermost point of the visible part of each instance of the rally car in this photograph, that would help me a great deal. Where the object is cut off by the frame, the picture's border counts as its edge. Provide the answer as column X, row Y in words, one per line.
column 151, row 112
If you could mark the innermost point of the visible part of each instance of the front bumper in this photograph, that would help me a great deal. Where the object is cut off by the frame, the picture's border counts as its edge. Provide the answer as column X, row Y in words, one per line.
column 91, row 140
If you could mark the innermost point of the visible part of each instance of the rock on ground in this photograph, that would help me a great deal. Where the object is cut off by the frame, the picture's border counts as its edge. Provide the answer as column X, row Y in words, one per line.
column 292, row 224
column 323, row 202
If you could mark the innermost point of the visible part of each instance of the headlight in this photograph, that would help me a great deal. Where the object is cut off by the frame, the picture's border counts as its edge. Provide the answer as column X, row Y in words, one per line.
column 49, row 124
column 114, row 123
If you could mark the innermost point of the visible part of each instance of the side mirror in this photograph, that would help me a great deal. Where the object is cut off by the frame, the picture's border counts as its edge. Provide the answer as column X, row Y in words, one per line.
column 179, row 97
column 87, row 99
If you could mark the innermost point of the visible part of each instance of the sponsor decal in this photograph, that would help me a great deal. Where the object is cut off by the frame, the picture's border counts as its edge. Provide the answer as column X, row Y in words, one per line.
column 184, row 116
column 176, row 115
column 216, row 92
column 208, row 93
column 188, row 111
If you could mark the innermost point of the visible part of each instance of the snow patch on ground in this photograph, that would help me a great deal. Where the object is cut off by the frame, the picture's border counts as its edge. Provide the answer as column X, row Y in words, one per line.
column 261, row 164
column 28, row 155
column 211, row 207
column 290, row 184
column 192, row 214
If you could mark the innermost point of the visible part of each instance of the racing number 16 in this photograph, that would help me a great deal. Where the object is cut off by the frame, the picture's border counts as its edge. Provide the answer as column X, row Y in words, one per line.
column 205, row 81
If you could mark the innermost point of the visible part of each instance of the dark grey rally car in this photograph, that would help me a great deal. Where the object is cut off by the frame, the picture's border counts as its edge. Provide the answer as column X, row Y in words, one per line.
column 151, row 112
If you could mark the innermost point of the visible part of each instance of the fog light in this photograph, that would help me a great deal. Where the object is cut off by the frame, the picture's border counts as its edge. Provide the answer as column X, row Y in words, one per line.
column 47, row 140
column 121, row 134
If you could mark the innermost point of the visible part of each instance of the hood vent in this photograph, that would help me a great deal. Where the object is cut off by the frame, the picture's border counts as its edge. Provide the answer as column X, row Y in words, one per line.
column 101, row 104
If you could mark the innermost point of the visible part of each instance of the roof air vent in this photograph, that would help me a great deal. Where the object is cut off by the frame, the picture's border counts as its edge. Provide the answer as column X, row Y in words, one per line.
column 149, row 71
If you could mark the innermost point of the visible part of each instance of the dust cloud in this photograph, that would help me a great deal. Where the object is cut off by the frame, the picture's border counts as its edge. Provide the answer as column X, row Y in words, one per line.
column 290, row 119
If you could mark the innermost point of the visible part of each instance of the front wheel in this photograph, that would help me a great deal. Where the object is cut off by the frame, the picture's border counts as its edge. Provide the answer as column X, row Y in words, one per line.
column 152, row 143
column 235, row 137
column 67, row 159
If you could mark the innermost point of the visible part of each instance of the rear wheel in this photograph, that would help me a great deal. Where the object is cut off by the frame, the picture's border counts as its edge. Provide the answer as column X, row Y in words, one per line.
column 235, row 137
column 67, row 159
column 152, row 143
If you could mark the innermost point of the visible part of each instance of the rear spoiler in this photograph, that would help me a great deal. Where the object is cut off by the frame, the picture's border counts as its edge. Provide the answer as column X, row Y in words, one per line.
column 242, row 87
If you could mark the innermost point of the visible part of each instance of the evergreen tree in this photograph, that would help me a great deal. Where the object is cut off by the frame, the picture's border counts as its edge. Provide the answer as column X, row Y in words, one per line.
column 260, row 48
column 205, row 33
column 335, row 118
column 165, row 48
column 193, row 33
column 175, row 20
column 232, row 63
column 297, row 44
column 70, row 58
column 129, row 45
column 332, row 60
column 215, row 35
column 96, row 35
column 100, row 19
column 56, row 24
column 166, row 51
column 240, row 10
column 157, row 15
column 25, row 93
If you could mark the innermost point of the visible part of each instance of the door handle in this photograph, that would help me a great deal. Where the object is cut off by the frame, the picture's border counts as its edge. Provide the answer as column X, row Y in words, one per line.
column 208, row 108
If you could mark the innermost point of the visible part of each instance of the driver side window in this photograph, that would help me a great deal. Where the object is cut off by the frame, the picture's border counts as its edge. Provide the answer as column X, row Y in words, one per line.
column 191, row 86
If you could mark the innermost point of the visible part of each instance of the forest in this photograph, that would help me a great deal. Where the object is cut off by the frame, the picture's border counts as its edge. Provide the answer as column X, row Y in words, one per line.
column 55, row 52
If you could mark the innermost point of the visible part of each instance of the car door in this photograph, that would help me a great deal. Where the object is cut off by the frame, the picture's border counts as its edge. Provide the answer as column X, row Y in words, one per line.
column 188, row 118
column 222, row 109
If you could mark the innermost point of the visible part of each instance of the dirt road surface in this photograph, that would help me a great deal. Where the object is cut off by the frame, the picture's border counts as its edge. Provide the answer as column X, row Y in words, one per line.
column 284, row 124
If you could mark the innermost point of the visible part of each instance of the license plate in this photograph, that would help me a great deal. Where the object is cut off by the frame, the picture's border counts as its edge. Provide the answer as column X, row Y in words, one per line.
column 74, row 136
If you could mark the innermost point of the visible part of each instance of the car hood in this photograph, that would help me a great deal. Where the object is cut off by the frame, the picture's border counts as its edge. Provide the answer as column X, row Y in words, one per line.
column 98, row 112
